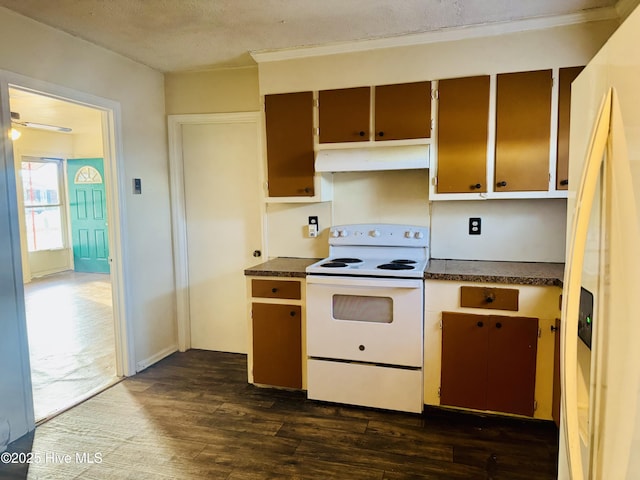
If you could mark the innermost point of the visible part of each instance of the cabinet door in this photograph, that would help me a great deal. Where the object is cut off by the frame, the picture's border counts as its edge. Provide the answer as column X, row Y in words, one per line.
column 403, row 111
column 463, row 119
column 344, row 115
column 511, row 364
column 290, row 158
column 567, row 75
column 464, row 360
column 523, row 124
column 277, row 345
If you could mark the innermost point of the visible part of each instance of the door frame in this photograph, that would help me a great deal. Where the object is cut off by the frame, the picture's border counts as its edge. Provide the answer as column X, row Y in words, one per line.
column 115, row 183
column 178, row 206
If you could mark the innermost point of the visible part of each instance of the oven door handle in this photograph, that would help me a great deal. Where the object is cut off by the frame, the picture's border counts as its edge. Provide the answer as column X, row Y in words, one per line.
column 366, row 282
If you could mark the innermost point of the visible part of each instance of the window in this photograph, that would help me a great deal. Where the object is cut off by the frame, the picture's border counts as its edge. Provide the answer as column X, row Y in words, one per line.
column 41, row 180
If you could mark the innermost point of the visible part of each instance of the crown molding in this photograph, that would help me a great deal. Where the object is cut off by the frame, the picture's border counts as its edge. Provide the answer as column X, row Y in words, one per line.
column 445, row 34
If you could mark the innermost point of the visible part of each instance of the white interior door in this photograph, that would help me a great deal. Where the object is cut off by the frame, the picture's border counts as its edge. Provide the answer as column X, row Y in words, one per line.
column 223, row 228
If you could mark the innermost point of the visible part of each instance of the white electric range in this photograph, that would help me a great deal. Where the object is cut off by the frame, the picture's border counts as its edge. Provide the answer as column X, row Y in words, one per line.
column 365, row 315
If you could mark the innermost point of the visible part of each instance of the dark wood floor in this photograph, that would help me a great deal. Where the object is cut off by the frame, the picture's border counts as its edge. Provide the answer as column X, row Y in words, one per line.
column 193, row 416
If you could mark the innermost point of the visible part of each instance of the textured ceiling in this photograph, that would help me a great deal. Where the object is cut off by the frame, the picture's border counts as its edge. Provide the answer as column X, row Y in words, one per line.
column 179, row 35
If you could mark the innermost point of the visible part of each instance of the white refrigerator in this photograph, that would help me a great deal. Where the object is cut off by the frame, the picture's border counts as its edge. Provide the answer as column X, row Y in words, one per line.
column 600, row 413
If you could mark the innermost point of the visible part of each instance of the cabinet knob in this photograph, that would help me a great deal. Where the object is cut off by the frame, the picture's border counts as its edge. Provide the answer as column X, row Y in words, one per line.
column 480, row 324
column 554, row 328
column 498, row 325
column 307, row 189
column 489, row 299
column 257, row 253
column 476, row 186
column 292, row 313
column 361, row 133
column 564, row 182
column 381, row 134
column 361, row 348
column 502, row 184
column 274, row 290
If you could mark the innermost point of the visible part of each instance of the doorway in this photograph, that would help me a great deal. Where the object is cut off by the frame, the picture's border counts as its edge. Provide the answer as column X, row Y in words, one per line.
column 68, row 288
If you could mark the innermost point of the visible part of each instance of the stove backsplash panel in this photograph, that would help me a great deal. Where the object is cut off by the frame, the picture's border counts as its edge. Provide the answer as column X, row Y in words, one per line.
column 512, row 230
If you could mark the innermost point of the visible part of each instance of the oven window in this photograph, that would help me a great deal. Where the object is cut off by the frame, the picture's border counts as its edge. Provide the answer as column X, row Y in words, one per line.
column 362, row 308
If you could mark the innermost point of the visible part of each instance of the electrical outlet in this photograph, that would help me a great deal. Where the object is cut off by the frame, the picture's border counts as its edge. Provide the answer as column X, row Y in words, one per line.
column 475, row 226
column 313, row 227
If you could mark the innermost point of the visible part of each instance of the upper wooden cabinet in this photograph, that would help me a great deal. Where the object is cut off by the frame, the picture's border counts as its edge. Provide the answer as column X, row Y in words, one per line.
column 403, row 111
column 463, row 126
column 290, row 156
column 523, row 128
column 566, row 77
column 344, row 115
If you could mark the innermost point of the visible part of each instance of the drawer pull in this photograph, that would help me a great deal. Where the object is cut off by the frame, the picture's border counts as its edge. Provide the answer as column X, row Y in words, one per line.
column 480, row 324
column 489, row 298
column 498, row 325
column 274, row 290
column 361, row 348
column 292, row 313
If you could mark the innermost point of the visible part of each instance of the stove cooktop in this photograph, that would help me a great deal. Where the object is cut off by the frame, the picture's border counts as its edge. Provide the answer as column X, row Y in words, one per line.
column 376, row 267
column 377, row 250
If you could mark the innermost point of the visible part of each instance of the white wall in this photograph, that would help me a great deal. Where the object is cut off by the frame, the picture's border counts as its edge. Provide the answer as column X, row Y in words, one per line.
column 512, row 230
column 51, row 56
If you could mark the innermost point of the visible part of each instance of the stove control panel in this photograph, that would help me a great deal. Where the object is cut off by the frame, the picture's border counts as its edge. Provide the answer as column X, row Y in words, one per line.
column 379, row 235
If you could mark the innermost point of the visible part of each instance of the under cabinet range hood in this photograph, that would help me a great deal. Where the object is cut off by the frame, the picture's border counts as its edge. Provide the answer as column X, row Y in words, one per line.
column 403, row 157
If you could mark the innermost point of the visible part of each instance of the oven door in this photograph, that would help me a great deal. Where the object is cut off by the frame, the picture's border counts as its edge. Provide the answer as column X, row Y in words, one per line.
column 372, row 320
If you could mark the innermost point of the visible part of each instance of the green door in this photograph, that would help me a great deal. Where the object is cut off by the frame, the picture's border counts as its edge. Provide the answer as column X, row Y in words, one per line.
column 88, row 214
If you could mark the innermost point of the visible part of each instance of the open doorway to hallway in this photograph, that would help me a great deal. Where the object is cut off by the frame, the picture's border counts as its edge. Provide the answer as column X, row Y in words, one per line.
column 71, row 340
column 65, row 253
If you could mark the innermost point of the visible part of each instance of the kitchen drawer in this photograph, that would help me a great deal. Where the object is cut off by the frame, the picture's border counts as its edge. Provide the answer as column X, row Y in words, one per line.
column 488, row 297
column 275, row 289
column 365, row 384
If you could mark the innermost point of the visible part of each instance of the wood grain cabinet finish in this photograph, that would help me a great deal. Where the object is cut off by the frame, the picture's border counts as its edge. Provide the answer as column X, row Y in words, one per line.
column 402, row 111
column 463, row 129
column 290, row 156
column 277, row 345
column 344, row 115
column 523, row 131
column 566, row 77
column 275, row 289
column 494, row 298
column 489, row 362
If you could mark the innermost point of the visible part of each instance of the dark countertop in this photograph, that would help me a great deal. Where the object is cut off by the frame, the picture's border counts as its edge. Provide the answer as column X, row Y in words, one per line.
column 518, row 273
column 522, row 273
column 281, row 267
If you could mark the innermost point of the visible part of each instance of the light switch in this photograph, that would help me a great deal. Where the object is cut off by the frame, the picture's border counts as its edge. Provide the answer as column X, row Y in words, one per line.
column 137, row 186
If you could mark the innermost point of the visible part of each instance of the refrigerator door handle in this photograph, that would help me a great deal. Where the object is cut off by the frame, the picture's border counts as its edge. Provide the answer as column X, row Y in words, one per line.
column 573, row 280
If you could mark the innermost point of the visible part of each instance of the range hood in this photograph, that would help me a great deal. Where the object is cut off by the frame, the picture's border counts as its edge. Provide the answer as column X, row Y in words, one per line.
column 401, row 157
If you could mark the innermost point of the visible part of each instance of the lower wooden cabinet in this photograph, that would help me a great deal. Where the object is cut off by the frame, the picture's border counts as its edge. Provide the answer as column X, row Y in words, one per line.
column 277, row 344
column 489, row 362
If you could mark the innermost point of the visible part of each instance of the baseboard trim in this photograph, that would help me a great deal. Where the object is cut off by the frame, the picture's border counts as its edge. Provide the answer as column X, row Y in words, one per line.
column 147, row 362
